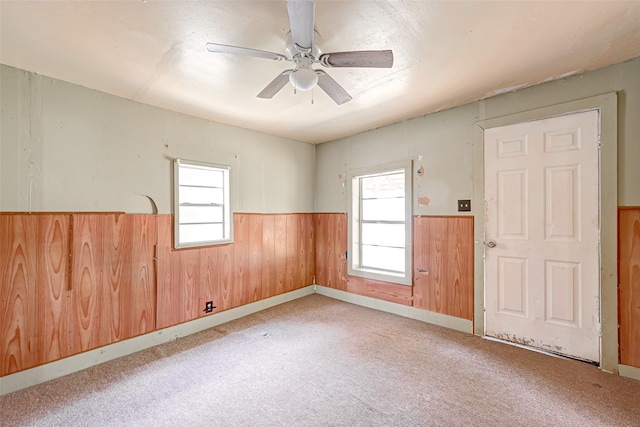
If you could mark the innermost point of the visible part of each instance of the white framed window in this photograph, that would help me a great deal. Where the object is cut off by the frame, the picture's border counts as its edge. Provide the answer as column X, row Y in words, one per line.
column 379, row 224
column 202, row 211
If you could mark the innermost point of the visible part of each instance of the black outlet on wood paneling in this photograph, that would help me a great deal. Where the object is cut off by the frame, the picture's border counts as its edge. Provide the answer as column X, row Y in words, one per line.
column 208, row 307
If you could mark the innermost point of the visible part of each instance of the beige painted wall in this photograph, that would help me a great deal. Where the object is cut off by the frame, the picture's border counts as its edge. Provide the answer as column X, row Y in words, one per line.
column 67, row 148
column 448, row 146
column 443, row 142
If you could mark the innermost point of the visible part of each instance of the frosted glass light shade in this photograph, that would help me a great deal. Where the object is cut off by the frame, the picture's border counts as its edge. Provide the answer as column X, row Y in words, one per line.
column 303, row 79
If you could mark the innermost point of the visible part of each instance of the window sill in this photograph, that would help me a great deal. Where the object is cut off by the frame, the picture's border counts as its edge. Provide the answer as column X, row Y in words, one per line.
column 396, row 278
column 203, row 244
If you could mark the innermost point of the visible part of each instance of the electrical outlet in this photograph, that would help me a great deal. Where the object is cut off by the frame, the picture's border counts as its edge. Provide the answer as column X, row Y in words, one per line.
column 464, row 205
column 208, row 307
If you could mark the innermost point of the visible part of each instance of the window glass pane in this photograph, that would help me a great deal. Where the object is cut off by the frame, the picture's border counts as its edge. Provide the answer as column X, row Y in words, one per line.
column 381, row 257
column 383, row 234
column 191, row 214
column 201, row 195
column 379, row 218
column 383, row 209
column 192, row 233
column 194, row 175
column 382, row 186
column 201, row 204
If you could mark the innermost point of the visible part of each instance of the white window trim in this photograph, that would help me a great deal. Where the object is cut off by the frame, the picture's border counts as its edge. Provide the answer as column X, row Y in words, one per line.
column 227, row 210
column 352, row 221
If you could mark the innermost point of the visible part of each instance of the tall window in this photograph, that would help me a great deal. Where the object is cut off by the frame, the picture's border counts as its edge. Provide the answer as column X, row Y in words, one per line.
column 380, row 224
column 202, row 209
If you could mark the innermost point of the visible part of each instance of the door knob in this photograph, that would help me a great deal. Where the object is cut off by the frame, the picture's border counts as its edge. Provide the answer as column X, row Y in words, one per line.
column 491, row 244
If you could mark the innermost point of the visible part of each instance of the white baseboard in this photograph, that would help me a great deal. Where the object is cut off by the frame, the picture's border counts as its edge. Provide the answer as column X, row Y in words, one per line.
column 59, row 368
column 462, row 325
column 629, row 372
column 78, row 362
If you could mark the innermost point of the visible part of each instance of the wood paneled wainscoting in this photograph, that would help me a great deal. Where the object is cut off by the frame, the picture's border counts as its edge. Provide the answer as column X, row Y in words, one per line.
column 112, row 272
column 331, row 263
column 271, row 254
column 442, row 264
column 74, row 282
column 629, row 285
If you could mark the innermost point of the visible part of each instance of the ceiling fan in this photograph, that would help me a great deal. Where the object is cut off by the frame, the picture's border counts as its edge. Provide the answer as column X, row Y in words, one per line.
column 302, row 46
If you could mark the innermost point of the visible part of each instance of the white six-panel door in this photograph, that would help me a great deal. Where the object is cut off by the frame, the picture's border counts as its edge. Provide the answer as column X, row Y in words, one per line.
column 542, row 234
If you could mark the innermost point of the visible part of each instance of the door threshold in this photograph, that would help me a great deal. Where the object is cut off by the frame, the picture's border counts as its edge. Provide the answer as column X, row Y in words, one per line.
column 540, row 350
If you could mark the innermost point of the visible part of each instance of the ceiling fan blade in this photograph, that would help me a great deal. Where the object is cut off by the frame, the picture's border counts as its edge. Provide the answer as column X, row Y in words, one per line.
column 333, row 89
column 275, row 85
column 234, row 50
column 362, row 58
column 301, row 18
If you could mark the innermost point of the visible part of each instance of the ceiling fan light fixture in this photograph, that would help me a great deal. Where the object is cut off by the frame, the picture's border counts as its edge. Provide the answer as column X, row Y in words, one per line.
column 303, row 47
column 303, row 79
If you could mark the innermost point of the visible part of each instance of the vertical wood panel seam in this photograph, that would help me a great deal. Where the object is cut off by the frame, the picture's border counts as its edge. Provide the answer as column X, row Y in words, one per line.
column 71, row 247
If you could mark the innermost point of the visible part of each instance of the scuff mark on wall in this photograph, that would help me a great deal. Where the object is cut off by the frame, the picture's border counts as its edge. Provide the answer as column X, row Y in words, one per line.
column 30, row 140
column 34, row 177
column 342, row 177
column 421, row 170
column 424, row 201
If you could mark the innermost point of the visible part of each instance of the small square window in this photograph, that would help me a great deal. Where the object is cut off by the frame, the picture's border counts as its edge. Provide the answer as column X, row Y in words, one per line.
column 202, row 209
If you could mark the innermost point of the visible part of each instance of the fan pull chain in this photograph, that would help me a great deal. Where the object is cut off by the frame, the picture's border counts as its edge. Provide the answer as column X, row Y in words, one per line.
column 311, row 96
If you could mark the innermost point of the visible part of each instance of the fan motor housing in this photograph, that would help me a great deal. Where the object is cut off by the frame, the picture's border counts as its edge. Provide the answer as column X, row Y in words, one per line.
column 316, row 50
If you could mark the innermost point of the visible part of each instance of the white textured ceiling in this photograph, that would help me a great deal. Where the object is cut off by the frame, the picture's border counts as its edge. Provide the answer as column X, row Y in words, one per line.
column 447, row 53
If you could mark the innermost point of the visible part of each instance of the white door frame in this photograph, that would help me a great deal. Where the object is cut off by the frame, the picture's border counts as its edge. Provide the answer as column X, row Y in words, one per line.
column 607, row 105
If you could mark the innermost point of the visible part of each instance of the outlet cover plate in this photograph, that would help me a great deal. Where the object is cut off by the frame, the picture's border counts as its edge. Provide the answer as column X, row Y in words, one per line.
column 208, row 308
column 464, row 205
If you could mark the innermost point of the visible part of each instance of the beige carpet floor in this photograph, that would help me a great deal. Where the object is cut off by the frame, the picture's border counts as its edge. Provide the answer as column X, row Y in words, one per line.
column 321, row 362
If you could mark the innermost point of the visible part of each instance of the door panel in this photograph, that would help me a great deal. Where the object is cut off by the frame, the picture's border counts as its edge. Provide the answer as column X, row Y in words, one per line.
column 512, row 214
column 561, row 213
column 512, row 286
column 542, row 213
column 562, row 302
